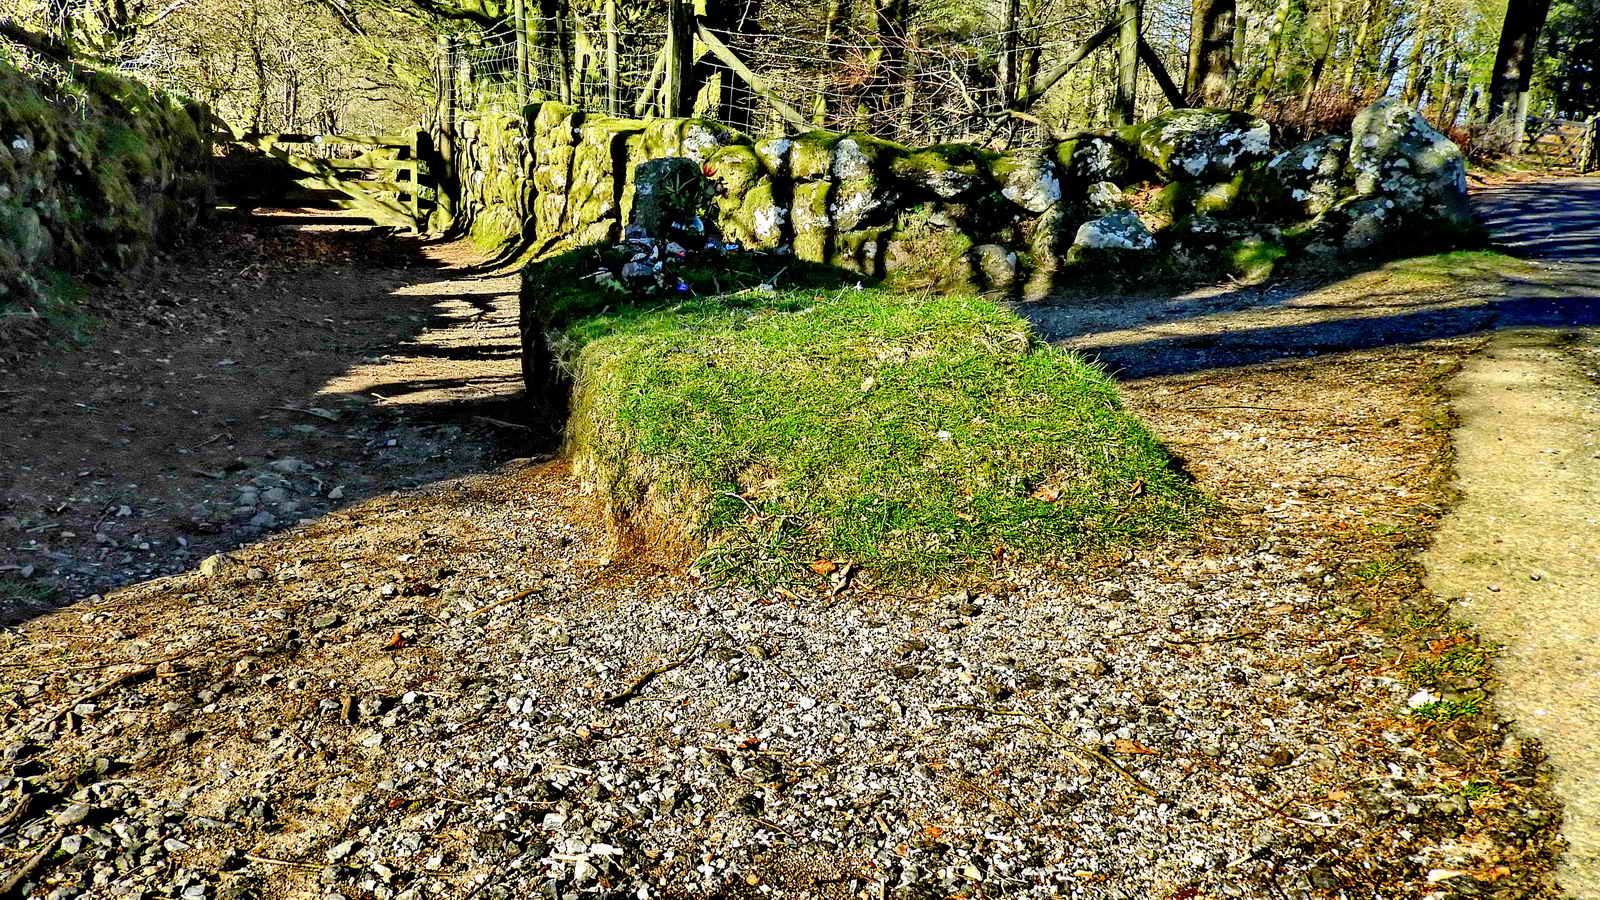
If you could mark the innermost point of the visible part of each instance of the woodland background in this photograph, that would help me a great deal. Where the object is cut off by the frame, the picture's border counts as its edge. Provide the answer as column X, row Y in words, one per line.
column 908, row 69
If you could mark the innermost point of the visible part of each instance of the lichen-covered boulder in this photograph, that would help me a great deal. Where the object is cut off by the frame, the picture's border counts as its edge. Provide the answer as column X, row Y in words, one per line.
column 1090, row 157
column 1395, row 154
column 1361, row 224
column 1112, row 234
column 1028, row 179
column 945, row 171
column 1207, row 145
column 1305, row 180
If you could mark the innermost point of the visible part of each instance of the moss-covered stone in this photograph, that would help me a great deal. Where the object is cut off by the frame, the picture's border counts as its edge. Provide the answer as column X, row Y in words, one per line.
column 555, row 138
column 998, row 268
column 945, row 171
column 599, row 167
column 1028, row 179
column 811, row 155
column 1089, row 157
column 95, row 170
column 859, row 251
column 762, row 218
column 697, row 139
column 813, row 226
column 1173, row 201
column 1221, row 199
column 734, row 170
column 860, row 202
column 925, row 251
column 1253, row 260
column 1205, row 145
column 774, row 155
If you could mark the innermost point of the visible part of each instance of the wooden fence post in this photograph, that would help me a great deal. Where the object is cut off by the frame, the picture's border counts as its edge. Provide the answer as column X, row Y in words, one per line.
column 1589, row 147
column 446, row 184
column 680, row 58
column 613, row 60
column 519, row 18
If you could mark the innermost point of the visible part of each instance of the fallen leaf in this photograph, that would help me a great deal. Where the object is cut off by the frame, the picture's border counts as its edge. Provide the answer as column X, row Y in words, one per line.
column 824, row 567
column 1123, row 745
column 1046, row 493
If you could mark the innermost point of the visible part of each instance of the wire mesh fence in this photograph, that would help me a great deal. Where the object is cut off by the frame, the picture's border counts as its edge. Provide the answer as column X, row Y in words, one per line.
column 913, row 87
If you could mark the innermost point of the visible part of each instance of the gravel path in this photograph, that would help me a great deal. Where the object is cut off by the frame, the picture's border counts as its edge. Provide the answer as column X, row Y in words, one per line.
column 454, row 690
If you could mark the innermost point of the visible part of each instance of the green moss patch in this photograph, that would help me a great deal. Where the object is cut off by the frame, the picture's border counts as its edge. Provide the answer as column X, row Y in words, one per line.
column 762, row 430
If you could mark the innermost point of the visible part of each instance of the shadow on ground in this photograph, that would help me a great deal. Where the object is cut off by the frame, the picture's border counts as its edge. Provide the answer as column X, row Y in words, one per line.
column 1553, row 225
column 283, row 367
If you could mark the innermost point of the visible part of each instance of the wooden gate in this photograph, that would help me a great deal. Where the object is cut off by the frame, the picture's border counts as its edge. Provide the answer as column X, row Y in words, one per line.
column 1562, row 143
column 384, row 177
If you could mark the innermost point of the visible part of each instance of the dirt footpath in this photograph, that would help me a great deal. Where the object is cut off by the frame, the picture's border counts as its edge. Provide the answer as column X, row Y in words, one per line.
column 1522, row 552
column 277, row 370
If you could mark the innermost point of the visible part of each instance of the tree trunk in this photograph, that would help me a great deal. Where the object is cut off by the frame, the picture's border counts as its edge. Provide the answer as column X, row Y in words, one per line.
column 1128, row 63
column 1416, row 69
column 1274, row 50
column 1513, row 62
column 1211, row 52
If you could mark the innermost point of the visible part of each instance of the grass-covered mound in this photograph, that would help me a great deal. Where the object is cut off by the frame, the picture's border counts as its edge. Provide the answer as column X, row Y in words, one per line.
column 772, row 429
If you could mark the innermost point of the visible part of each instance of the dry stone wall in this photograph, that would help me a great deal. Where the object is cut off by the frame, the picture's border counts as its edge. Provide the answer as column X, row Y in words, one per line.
column 1191, row 188
column 95, row 171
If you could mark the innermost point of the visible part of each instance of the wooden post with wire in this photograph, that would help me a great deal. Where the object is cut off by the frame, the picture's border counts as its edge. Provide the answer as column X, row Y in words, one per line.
column 519, row 20
column 613, row 61
column 446, row 185
column 675, row 96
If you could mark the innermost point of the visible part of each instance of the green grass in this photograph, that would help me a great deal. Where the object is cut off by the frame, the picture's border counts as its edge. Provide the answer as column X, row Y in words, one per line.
column 15, row 592
column 1448, row 710
column 60, row 308
column 1461, row 661
column 915, row 435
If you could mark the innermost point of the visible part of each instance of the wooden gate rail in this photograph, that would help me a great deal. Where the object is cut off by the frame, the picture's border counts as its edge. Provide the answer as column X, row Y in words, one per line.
column 393, row 197
column 1560, row 143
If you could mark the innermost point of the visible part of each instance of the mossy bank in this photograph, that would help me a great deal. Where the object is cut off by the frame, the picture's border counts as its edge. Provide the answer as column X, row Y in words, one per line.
column 773, row 421
column 95, row 171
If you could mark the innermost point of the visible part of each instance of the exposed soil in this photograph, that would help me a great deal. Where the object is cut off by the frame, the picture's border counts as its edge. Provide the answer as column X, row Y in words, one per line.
column 442, row 684
column 273, row 372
